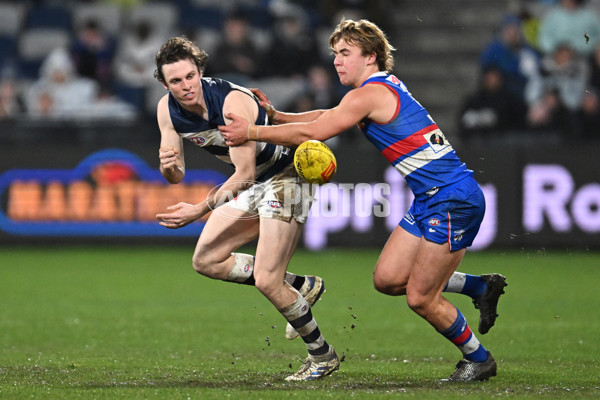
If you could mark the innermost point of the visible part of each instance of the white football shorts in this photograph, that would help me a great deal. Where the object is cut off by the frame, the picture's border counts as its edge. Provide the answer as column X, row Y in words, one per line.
column 284, row 196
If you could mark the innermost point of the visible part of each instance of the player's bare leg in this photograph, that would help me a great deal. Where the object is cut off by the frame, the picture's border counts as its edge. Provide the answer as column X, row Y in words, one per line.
column 393, row 269
column 276, row 244
column 395, row 263
column 422, row 282
column 226, row 230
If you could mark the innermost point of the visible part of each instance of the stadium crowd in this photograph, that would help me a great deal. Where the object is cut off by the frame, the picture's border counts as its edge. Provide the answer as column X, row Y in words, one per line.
column 539, row 76
column 103, row 51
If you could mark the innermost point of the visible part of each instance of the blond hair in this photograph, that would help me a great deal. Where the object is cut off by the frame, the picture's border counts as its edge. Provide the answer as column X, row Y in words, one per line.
column 369, row 37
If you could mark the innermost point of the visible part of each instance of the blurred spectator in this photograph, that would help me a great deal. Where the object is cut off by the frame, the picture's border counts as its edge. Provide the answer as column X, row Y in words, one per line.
column 236, row 56
column 492, row 110
column 61, row 93
column 555, row 98
column 549, row 114
column 509, row 52
column 320, row 91
column 134, row 62
column 594, row 63
column 530, row 26
column 570, row 22
column 589, row 116
column 93, row 51
column 11, row 103
column 565, row 72
column 294, row 49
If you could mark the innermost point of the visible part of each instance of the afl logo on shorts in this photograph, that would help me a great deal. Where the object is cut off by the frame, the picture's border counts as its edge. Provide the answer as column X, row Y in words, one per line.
column 199, row 141
column 434, row 222
column 274, row 204
column 246, row 267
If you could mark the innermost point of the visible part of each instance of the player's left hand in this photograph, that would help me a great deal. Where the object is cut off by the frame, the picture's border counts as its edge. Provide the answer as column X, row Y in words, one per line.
column 236, row 132
column 181, row 215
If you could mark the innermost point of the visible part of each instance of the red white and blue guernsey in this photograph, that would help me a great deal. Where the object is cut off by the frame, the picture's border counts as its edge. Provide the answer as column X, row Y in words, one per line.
column 449, row 204
column 270, row 158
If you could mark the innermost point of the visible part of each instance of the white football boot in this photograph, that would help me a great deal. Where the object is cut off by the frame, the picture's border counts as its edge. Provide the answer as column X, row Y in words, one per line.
column 315, row 367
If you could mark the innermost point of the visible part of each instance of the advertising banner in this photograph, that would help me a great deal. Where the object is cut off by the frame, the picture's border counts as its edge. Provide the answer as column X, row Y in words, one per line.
column 548, row 197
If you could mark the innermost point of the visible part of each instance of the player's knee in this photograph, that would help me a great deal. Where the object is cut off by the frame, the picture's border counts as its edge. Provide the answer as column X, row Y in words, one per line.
column 266, row 284
column 389, row 286
column 199, row 264
column 418, row 302
column 202, row 263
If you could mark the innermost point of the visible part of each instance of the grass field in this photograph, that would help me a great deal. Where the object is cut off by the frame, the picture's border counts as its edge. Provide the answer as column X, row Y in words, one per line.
column 139, row 323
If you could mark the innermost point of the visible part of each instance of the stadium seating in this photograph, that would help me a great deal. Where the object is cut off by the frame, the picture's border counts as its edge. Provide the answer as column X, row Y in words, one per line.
column 35, row 44
column 48, row 16
column 8, row 50
column 202, row 17
column 130, row 94
column 162, row 15
column 108, row 16
column 11, row 18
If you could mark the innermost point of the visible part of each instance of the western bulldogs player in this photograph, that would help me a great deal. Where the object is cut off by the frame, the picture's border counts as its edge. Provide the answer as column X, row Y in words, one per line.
column 421, row 255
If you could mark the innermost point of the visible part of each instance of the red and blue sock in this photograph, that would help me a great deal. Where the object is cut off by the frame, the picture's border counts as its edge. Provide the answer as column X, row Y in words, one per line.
column 461, row 335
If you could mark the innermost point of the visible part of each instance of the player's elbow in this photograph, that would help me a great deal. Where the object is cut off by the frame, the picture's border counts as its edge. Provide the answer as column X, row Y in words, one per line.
column 244, row 178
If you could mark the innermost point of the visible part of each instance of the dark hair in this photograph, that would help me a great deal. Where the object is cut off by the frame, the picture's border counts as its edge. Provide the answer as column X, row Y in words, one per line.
column 368, row 37
column 176, row 49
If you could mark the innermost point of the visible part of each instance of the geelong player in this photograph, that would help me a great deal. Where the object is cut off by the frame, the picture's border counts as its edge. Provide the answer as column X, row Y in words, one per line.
column 421, row 255
column 193, row 109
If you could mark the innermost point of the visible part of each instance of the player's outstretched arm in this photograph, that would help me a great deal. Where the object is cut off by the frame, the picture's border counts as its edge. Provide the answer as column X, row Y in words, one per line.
column 353, row 108
column 278, row 117
column 182, row 214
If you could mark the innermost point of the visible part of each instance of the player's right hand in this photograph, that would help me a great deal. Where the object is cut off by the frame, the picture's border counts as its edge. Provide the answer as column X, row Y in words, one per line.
column 168, row 157
column 262, row 98
column 179, row 215
column 236, row 133
column 265, row 103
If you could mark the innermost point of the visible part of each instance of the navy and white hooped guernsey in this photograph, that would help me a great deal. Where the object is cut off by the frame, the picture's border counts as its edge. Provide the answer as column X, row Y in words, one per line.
column 413, row 143
column 270, row 158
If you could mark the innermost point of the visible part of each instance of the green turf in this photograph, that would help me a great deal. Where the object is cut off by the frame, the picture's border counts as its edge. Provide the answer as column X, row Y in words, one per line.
column 119, row 322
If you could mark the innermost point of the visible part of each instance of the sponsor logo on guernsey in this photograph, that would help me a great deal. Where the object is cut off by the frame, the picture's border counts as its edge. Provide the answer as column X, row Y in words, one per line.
column 436, row 138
